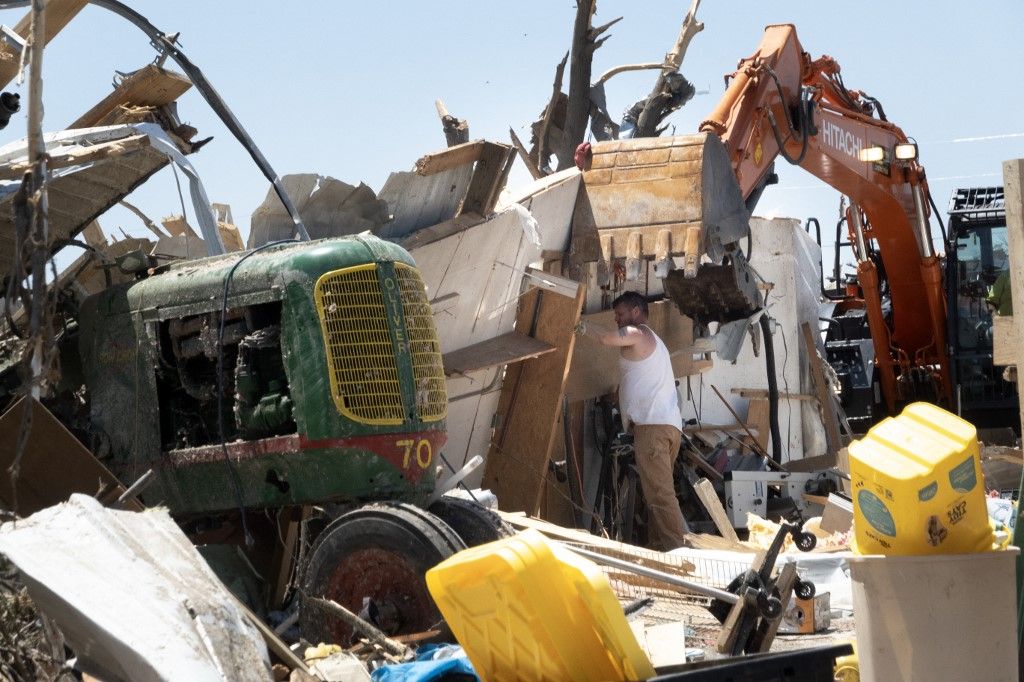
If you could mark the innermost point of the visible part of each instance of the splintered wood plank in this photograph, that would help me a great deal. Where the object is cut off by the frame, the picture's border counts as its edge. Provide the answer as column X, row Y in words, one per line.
column 150, row 86
column 449, row 158
column 95, row 153
column 501, row 350
column 489, row 176
column 531, row 399
column 758, row 419
column 662, row 561
column 709, row 498
column 58, row 14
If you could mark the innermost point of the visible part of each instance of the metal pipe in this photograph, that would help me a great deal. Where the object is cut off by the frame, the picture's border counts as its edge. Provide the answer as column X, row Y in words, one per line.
column 924, row 234
column 667, row 578
column 858, row 233
column 452, row 481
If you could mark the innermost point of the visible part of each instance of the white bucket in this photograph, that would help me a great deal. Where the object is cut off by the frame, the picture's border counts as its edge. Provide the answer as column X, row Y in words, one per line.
column 946, row 617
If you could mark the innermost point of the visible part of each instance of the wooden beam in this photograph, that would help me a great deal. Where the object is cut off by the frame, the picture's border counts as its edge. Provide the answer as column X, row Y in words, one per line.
column 150, row 86
column 752, row 393
column 759, row 420
column 489, row 177
column 501, row 350
column 58, row 14
column 821, row 390
column 1013, row 193
column 99, row 152
column 531, row 401
column 662, row 561
column 452, row 157
column 709, row 498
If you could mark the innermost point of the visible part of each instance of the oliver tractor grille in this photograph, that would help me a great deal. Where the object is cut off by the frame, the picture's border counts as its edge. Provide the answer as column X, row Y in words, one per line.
column 424, row 346
column 365, row 376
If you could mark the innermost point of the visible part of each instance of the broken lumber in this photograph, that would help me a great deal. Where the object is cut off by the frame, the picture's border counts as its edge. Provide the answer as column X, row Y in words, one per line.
column 150, row 86
column 58, row 14
column 489, row 177
column 501, row 350
column 530, row 402
column 99, row 152
column 709, row 498
column 662, row 561
column 452, row 157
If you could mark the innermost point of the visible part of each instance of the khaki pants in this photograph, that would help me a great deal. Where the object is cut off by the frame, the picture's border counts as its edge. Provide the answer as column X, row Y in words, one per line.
column 657, row 446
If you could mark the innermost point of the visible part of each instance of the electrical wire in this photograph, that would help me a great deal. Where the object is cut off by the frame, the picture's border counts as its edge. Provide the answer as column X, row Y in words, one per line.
column 232, row 472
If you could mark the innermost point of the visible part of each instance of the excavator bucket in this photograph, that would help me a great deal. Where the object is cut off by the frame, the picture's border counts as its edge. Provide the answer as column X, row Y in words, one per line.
column 674, row 200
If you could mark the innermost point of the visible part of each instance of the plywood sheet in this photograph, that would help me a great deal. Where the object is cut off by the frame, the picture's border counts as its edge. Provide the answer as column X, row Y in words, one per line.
column 501, row 350
column 595, row 368
column 530, row 402
column 54, row 465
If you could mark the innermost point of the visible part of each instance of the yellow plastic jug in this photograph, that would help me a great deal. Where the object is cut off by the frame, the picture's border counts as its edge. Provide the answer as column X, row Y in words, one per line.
column 526, row 609
column 917, row 486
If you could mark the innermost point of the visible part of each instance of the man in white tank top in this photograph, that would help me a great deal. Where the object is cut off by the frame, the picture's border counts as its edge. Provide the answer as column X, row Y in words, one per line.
column 649, row 405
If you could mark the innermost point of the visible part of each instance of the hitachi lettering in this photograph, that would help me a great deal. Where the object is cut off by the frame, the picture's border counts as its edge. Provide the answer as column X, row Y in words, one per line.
column 841, row 140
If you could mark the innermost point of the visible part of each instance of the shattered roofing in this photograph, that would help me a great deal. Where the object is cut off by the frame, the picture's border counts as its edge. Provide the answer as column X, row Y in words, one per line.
column 80, row 193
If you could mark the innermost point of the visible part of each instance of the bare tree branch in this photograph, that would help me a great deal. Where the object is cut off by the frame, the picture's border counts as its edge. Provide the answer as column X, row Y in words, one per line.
column 525, row 155
column 671, row 90
column 542, row 135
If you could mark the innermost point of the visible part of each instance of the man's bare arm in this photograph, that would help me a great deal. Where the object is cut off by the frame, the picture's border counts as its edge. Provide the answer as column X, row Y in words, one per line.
column 623, row 336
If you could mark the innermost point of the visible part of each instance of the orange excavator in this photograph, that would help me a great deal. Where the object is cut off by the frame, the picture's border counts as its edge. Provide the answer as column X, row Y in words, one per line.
column 781, row 102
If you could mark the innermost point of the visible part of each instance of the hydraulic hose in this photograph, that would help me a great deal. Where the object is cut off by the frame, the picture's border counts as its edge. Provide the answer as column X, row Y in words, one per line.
column 773, row 389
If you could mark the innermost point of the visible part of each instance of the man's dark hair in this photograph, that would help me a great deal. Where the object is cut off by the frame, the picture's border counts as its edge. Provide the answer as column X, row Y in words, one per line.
column 631, row 299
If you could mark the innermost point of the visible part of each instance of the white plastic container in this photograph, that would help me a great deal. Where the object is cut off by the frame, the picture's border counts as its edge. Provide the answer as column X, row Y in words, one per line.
column 941, row 617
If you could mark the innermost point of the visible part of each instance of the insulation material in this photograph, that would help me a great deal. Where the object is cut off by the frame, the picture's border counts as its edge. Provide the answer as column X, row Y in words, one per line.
column 132, row 595
column 785, row 255
column 328, row 208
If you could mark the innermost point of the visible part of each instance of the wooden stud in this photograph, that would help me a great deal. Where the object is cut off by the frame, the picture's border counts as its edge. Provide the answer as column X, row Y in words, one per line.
column 709, row 498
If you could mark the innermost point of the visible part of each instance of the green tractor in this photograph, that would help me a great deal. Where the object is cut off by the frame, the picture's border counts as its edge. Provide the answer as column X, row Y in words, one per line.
column 258, row 386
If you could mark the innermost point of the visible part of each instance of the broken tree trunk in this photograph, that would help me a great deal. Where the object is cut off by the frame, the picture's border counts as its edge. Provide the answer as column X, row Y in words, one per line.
column 671, row 90
column 549, row 131
column 456, row 130
column 585, row 41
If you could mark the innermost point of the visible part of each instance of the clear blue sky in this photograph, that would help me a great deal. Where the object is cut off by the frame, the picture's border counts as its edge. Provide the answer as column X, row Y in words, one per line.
column 347, row 88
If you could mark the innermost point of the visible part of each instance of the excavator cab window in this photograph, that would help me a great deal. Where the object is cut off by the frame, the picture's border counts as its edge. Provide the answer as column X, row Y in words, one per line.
column 977, row 274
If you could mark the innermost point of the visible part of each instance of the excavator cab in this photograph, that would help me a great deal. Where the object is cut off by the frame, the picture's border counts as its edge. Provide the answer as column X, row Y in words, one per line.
column 977, row 291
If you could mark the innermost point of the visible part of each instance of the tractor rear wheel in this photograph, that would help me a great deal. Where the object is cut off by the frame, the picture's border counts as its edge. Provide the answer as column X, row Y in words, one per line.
column 378, row 553
column 473, row 522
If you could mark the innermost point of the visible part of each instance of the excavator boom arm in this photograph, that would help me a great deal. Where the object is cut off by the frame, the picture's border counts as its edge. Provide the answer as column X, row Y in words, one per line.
column 780, row 102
